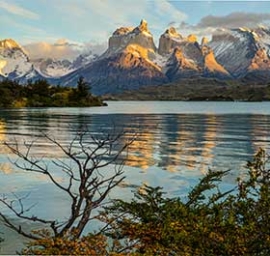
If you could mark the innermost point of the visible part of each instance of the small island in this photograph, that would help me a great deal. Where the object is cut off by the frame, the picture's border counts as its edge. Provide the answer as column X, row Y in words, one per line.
column 40, row 93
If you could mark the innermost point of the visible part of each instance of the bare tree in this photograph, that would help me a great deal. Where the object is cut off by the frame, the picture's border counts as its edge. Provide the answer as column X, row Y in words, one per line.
column 87, row 182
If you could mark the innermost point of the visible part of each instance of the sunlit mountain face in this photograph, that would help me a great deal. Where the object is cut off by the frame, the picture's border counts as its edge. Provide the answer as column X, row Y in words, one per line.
column 133, row 60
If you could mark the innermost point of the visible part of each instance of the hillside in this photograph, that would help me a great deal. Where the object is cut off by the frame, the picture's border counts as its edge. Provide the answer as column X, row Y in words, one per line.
column 198, row 90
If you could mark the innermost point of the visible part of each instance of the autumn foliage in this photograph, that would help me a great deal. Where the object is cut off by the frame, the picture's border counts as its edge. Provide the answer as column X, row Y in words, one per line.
column 68, row 244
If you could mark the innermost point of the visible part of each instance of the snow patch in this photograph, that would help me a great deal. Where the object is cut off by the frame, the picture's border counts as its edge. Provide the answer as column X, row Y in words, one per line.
column 3, row 63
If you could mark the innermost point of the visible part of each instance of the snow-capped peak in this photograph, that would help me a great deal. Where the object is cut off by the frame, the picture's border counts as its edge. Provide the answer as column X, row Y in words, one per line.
column 13, row 59
column 10, row 44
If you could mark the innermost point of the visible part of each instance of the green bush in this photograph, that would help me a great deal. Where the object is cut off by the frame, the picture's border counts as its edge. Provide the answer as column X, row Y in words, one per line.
column 209, row 222
column 41, row 94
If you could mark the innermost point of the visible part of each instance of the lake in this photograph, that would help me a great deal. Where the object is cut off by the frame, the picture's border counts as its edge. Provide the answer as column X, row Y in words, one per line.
column 176, row 143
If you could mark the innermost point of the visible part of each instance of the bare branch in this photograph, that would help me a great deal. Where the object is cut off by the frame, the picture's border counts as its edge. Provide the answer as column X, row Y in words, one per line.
column 85, row 181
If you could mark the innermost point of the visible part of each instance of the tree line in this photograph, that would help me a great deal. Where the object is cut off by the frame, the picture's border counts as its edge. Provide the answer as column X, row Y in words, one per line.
column 40, row 93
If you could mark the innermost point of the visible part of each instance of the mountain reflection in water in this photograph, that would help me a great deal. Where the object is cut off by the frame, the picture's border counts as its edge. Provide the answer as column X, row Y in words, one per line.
column 177, row 142
column 172, row 142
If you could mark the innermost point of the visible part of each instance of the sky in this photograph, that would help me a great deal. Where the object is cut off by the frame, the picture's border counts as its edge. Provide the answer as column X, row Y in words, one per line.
column 93, row 21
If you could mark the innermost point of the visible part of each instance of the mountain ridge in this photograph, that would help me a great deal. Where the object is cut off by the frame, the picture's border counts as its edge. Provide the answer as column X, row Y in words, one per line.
column 132, row 59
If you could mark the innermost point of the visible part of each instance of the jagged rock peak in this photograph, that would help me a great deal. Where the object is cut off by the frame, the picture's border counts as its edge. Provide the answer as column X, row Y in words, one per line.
column 9, row 44
column 14, row 61
column 192, row 38
column 204, row 41
column 143, row 27
column 136, row 40
column 172, row 32
column 122, row 31
column 169, row 40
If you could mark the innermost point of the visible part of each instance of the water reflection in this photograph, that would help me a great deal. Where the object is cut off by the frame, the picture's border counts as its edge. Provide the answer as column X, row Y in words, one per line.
column 260, row 127
column 172, row 149
column 173, row 142
column 209, row 141
column 2, row 134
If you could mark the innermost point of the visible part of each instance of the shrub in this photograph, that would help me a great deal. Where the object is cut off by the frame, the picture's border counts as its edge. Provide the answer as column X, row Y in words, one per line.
column 209, row 222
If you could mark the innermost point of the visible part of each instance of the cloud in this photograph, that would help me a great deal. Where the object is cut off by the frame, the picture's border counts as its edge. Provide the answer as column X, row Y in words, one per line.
column 210, row 24
column 18, row 10
column 47, row 50
column 99, row 19
column 83, row 21
column 235, row 19
column 62, row 49
column 22, row 32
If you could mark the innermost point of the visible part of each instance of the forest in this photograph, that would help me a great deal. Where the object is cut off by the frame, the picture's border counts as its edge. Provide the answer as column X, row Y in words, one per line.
column 40, row 93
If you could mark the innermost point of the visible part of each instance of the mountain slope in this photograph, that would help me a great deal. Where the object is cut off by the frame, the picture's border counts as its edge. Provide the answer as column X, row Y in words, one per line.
column 127, row 63
column 242, row 51
column 169, row 40
column 190, row 60
column 58, row 67
column 132, row 59
column 14, row 62
column 211, row 67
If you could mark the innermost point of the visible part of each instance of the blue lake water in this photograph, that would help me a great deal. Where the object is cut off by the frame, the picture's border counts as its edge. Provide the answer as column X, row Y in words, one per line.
column 176, row 143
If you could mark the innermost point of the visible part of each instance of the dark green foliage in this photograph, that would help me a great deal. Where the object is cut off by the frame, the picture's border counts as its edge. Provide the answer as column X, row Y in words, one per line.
column 81, row 95
column 9, row 92
column 83, row 87
column 209, row 222
column 199, row 90
column 41, row 94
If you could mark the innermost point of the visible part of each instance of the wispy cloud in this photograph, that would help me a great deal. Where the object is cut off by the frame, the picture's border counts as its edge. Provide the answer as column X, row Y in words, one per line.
column 100, row 18
column 62, row 49
column 209, row 24
column 235, row 19
column 94, row 21
column 27, row 29
column 24, row 33
column 18, row 10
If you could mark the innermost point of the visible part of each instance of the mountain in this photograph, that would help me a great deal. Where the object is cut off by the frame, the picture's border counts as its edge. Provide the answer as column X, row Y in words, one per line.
column 243, row 52
column 169, row 40
column 55, row 68
column 189, row 59
column 128, row 63
column 132, row 60
column 139, row 37
column 14, row 62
